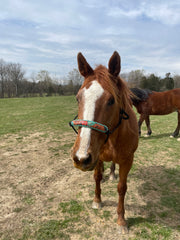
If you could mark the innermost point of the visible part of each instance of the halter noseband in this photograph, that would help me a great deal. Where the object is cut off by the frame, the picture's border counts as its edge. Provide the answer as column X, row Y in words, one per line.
column 98, row 126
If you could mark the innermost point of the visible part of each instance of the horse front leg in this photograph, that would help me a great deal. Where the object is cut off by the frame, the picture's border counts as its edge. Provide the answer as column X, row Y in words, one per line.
column 122, row 188
column 147, row 120
column 98, row 177
column 176, row 132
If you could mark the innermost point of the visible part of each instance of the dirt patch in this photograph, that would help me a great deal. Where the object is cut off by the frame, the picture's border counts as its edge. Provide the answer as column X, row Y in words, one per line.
column 28, row 173
column 37, row 174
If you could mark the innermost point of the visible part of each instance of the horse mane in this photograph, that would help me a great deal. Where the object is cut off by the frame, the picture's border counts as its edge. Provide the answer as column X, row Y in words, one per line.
column 115, row 85
column 140, row 95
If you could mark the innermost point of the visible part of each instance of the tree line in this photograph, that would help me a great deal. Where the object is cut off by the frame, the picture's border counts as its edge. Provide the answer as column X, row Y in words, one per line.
column 137, row 78
column 13, row 82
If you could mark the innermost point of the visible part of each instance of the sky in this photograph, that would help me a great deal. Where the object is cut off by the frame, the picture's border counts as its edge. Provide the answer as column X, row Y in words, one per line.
column 47, row 35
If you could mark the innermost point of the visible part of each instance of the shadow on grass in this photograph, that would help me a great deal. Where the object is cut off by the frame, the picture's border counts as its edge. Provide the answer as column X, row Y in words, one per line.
column 160, row 192
column 156, row 136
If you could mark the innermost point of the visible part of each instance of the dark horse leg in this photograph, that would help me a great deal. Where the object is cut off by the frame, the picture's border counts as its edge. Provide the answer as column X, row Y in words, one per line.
column 141, row 119
column 122, row 187
column 176, row 132
column 112, row 172
column 98, row 177
column 147, row 120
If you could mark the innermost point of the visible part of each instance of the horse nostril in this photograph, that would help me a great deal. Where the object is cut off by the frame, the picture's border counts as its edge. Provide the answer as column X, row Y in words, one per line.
column 76, row 160
column 87, row 160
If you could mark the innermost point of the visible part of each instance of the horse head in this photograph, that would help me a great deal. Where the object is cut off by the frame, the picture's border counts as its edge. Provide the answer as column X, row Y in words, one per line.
column 98, row 105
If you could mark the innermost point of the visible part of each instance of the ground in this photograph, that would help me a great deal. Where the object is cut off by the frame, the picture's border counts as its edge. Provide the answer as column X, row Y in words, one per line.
column 42, row 196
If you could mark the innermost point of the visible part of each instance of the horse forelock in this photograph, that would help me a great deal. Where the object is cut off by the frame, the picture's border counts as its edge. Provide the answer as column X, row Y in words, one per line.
column 115, row 85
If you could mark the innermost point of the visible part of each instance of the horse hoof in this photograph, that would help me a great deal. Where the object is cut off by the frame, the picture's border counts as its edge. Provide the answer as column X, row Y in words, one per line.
column 178, row 139
column 147, row 135
column 171, row 136
column 123, row 230
column 112, row 177
column 96, row 205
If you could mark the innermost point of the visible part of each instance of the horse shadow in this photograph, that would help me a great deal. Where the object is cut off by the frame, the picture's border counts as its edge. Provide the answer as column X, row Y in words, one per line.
column 160, row 193
column 156, row 136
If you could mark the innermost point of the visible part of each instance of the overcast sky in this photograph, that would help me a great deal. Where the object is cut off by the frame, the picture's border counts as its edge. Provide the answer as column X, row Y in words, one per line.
column 48, row 34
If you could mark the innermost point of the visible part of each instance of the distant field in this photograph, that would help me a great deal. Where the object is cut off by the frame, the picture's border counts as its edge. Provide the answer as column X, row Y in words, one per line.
column 43, row 197
column 36, row 114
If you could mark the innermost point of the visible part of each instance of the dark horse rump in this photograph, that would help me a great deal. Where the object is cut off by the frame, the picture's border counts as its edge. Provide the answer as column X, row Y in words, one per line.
column 149, row 102
column 139, row 95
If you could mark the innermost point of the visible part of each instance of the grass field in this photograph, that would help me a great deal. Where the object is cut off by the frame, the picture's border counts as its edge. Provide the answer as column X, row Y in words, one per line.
column 43, row 197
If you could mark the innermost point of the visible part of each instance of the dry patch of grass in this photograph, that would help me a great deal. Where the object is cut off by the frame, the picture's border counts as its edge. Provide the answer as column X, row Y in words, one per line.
column 44, row 197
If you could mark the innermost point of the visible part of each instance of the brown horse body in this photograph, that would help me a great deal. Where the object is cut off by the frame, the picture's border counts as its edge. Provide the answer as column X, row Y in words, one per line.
column 156, row 103
column 101, row 98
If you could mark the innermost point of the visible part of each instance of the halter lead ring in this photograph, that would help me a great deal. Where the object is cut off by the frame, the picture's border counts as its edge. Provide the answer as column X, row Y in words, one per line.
column 98, row 126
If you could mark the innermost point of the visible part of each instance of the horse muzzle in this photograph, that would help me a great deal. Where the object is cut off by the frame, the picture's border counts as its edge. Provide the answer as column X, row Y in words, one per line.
column 85, row 164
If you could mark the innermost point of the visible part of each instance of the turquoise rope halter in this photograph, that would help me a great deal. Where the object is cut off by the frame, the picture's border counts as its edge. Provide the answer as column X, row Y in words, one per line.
column 90, row 124
column 98, row 126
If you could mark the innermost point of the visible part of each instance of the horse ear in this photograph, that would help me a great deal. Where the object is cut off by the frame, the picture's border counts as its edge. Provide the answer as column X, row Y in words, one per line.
column 115, row 64
column 84, row 68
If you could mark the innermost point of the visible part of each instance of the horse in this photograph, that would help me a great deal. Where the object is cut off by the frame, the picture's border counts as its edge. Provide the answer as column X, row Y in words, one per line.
column 149, row 102
column 107, row 128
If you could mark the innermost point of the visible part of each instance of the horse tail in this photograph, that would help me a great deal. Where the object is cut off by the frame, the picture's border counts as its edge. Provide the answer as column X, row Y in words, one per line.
column 139, row 95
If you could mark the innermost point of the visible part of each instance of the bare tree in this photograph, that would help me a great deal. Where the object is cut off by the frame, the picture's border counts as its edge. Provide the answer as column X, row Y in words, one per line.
column 176, row 81
column 46, row 84
column 16, row 75
column 75, row 80
column 134, row 78
column 3, row 72
column 75, row 77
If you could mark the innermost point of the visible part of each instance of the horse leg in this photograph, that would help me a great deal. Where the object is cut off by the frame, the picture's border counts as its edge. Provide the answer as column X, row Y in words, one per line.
column 122, row 187
column 176, row 132
column 147, row 120
column 141, row 119
column 98, row 177
column 112, row 172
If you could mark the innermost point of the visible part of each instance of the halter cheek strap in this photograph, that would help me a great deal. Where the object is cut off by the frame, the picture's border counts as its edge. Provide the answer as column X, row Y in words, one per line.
column 98, row 126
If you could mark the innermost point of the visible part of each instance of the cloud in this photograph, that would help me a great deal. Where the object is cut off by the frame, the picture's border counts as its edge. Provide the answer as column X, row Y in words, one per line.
column 164, row 12
column 41, row 35
column 60, row 38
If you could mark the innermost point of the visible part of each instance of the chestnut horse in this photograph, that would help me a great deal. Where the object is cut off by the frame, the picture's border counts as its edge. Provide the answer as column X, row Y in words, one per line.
column 107, row 127
column 156, row 103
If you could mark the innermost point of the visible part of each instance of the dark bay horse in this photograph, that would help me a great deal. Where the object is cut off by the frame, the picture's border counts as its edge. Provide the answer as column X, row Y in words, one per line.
column 107, row 127
column 156, row 103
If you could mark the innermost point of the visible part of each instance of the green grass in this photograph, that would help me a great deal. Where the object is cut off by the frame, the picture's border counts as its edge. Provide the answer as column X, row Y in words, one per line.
column 52, row 229
column 72, row 207
column 156, row 171
column 36, row 114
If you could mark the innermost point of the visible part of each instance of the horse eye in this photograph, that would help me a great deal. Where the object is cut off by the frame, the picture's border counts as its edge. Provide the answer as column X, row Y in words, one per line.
column 111, row 101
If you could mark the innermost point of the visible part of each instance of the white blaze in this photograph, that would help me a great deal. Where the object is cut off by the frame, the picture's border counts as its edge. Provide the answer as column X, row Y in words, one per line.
column 90, row 96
